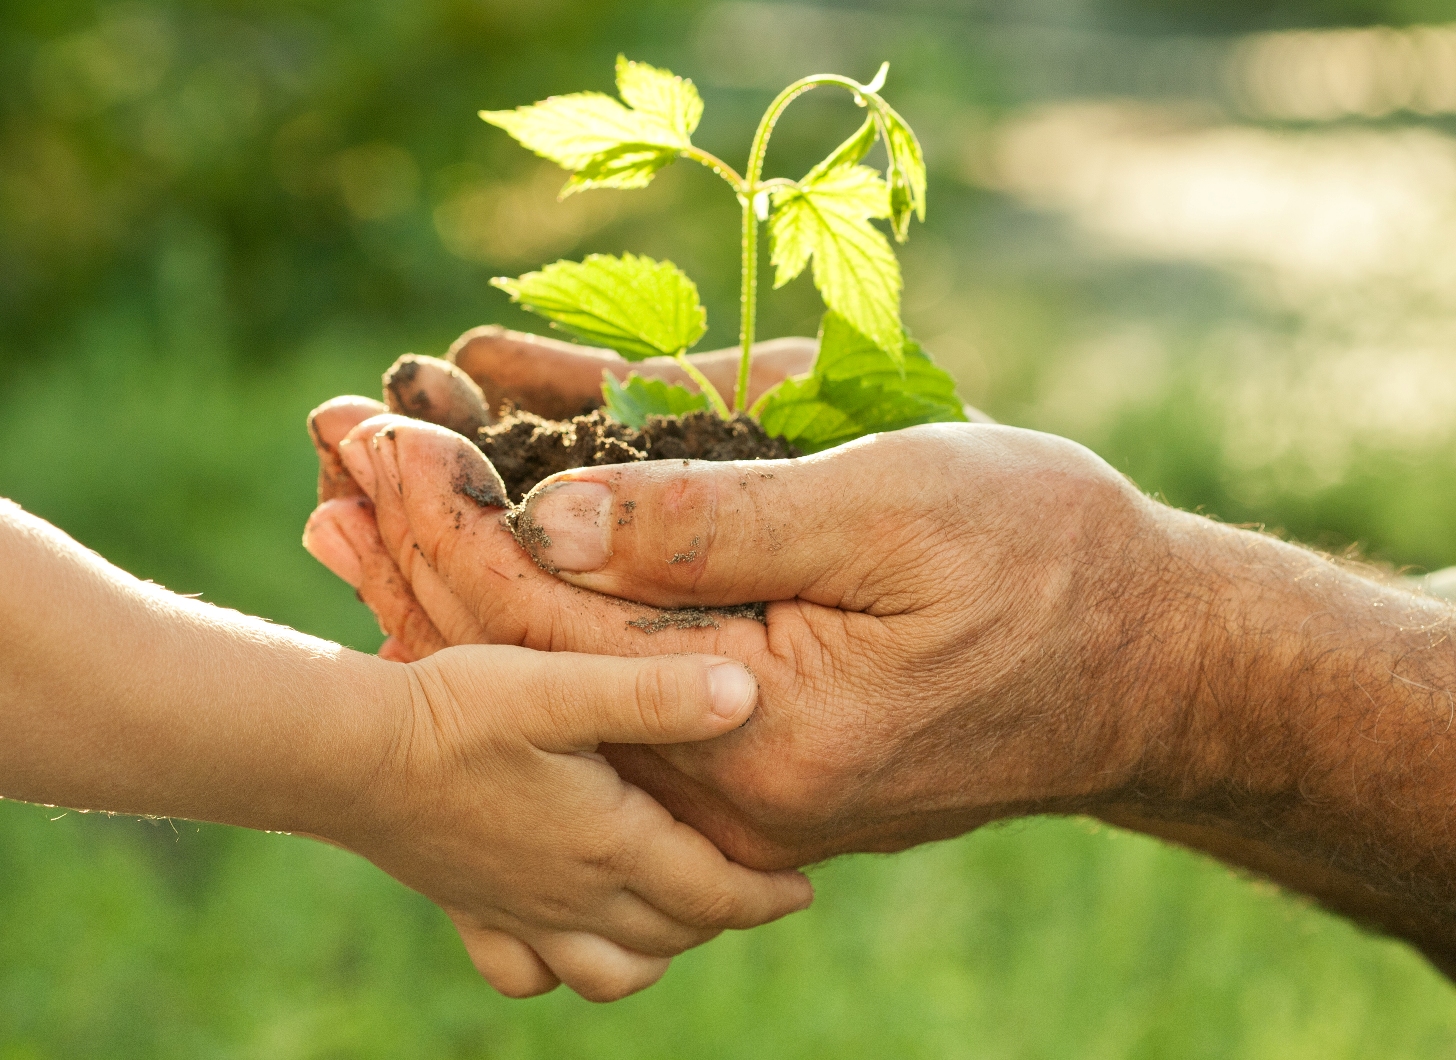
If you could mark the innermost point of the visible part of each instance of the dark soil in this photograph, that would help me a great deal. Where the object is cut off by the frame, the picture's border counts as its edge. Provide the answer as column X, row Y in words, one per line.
column 525, row 449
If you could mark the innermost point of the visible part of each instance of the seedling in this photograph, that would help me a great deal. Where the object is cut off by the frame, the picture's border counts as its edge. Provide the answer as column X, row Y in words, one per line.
column 869, row 375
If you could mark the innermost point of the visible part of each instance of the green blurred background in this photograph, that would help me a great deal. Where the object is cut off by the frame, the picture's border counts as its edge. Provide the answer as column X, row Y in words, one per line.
column 1212, row 240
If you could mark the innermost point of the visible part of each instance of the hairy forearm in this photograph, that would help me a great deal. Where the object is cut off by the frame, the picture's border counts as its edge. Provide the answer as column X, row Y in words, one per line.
column 118, row 695
column 1308, row 732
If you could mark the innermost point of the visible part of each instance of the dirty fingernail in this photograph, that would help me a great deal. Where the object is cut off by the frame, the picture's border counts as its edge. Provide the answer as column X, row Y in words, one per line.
column 571, row 526
column 386, row 458
column 356, row 458
column 327, row 544
column 731, row 689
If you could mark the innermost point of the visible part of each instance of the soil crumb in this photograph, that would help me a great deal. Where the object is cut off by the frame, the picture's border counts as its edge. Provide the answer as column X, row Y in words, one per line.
column 696, row 617
column 531, row 535
column 524, row 448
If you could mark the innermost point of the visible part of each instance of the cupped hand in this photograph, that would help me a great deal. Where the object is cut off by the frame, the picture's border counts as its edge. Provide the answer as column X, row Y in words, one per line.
column 944, row 642
column 559, row 380
column 486, row 370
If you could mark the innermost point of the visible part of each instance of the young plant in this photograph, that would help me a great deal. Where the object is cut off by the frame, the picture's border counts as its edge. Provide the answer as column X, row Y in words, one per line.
column 869, row 375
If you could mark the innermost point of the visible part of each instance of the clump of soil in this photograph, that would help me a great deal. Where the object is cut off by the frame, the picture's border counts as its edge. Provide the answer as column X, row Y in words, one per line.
column 696, row 617
column 524, row 448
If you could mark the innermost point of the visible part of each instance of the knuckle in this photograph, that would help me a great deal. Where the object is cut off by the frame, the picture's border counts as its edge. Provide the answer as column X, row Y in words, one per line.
column 658, row 690
column 606, row 852
column 688, row 496
column 557, row 910
column 716, row 909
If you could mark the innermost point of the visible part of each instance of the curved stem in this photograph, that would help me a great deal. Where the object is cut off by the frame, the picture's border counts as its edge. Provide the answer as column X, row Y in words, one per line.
column 716, row 164
column 704, row 384
column 751, row 187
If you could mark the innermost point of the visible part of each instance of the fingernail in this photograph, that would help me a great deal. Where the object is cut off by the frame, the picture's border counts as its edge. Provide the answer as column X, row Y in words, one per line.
column 386, row 458
column 731, row 689
column 355, row 457
column 327, row 544
column 571, row 526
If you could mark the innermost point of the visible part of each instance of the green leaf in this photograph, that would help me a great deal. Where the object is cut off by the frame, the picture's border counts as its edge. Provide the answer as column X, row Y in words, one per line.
column 628, row 166
column 572, row 130
column 606, row 144
column 826, row 217
column 849, row 152
column 636, row 399
column 661, row 94
column 855, row 388
column 906, row 169
column 634, row 305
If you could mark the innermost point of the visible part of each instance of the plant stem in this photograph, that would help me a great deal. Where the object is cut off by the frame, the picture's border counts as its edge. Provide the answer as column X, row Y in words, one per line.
column 704, row 384
column 748, row 191
column 717, row 165
column 747, row 299
column 757, row 410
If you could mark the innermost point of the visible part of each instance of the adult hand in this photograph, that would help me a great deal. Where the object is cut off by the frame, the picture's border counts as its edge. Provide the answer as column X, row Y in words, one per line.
column 486, row 369
column 970, row 622
column 559, row 380
column 802, row 808
column 877, row 728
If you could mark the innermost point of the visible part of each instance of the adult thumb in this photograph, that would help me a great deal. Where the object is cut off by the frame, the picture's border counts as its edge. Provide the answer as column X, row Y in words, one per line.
column 675, row 533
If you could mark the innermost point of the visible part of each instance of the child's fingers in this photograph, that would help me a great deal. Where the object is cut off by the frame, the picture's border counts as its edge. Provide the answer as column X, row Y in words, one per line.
column 635, row 924
column 570, row 702
column 595, row 968
column 685, row 876
column 507, row 963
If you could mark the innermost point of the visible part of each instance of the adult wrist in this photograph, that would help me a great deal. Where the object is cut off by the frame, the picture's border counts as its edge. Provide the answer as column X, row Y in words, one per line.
column 1259, row 701
column 1144, row 629
column 1313, row 742
column 1213, row 647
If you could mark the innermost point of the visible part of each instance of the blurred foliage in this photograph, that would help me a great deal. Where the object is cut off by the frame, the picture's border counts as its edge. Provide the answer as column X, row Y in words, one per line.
column 1237, row 15
column 214, row 215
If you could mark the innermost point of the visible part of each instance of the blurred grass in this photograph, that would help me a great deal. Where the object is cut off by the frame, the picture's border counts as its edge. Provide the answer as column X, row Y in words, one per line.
column 1039, row 939
column 190, row 259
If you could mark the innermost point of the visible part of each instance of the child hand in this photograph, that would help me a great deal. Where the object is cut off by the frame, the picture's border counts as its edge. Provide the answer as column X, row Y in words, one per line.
column 471, row 776
column 551, row 867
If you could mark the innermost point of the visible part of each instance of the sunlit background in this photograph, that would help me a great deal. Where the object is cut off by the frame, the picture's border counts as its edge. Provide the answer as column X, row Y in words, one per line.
column 1215, row 241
